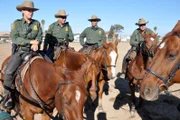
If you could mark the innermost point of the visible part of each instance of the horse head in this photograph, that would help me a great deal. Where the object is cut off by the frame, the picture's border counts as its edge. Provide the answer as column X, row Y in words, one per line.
column 164, row 65
column 106, row 56
column 149, row 44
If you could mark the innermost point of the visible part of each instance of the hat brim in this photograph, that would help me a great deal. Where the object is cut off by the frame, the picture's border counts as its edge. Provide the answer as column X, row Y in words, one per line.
column 141, row 23
column 57, row 15
column 20, row 8
column 97, row 19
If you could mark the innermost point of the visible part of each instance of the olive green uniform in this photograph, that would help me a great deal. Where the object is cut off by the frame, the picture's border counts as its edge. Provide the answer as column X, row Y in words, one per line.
column 93, row 35
column 58, row 34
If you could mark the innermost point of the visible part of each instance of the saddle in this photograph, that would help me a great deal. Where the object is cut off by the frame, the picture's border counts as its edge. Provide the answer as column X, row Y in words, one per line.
column 59, row 49
column 87, row 49
column 19, row 76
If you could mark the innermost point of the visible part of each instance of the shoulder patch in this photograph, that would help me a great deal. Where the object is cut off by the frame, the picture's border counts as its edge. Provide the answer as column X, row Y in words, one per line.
column 35, row 27
column 100, row 32
column 67, row 29
column 12, row 27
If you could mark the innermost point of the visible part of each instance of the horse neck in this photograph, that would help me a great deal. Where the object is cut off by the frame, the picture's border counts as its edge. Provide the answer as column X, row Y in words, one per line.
column 71, row 59
column 98, row 55
column 142, row 60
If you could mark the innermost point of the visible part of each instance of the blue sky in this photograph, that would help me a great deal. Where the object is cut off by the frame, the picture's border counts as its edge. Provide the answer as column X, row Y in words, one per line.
column 161, row 13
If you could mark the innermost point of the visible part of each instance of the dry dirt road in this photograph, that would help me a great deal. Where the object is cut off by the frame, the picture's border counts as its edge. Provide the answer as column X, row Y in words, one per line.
column 116, row 100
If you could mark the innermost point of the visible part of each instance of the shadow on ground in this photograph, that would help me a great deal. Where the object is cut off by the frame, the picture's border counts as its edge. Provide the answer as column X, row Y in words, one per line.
column 165, row 108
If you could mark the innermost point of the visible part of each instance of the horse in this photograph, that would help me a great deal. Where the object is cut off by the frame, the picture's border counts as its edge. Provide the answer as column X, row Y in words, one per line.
column 136, row 67
column 106, row 58
column 47, row 86
column 73, row 60
column 164, row 68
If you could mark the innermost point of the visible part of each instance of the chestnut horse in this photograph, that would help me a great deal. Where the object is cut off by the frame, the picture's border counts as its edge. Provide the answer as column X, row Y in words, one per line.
column 46, row 86
column 106, row 57
column 136, row 68
column 74, row 60
column 164, row 68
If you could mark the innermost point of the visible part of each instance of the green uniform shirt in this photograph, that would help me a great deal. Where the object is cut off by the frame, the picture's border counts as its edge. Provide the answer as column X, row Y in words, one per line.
column 93, row 35
column 22, row 32
column 136, row 37
column 56, row 33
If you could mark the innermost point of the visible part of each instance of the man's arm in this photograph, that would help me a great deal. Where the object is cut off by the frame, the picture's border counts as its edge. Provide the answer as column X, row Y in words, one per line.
column 82, row 36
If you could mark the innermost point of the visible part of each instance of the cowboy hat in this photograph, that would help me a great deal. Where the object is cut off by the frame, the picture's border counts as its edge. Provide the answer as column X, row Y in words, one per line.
column 61, row 13
column 94, row 17
column 141, row 21
column 26, row 5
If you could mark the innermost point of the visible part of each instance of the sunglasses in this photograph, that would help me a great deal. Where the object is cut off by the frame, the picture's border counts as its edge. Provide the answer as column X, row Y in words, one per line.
column 142, row 25
column 63, row 17
column 94, row 20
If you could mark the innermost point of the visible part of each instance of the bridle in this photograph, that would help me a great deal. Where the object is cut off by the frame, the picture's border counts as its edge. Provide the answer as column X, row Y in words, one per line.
column 166, row 80
column 105, row 66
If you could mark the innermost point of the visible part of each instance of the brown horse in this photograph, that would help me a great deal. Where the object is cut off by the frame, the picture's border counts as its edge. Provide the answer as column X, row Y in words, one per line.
column 46, row 86
column 74, row 60
column 106, row 57
column 164, row 68
column 136, row 68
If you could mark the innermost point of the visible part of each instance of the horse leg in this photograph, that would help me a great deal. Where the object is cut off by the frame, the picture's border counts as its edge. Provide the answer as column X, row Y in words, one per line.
column 92, row 90
column 100, row 93
column 132, row 87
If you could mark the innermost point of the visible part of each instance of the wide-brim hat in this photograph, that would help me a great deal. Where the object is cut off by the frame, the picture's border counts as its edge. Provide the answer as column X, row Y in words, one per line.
column 94, row 18
column 141, row 21
column 26, row 5
column 61, row 13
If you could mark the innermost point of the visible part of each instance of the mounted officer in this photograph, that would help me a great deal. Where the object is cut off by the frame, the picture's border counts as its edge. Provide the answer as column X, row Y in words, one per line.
column 135, row 40
column 59, row 34
column 26, row 34
column 94, row 35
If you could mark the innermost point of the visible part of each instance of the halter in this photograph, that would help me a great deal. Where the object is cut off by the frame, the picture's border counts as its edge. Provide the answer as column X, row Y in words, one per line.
column 167, row 79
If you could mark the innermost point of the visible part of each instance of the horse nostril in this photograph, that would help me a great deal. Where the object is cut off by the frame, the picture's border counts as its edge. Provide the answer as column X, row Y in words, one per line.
column 147, row 91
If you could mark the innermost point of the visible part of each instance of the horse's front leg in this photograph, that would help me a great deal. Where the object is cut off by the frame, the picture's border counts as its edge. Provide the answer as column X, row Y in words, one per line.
column 93, row 89
column 133, row 98
column 100, row 93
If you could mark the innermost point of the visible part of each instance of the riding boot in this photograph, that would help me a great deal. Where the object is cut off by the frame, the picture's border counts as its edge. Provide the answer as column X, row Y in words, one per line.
column 7, row 102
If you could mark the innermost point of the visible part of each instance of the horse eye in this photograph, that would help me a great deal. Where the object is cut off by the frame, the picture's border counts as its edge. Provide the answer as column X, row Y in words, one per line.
column 172, row 56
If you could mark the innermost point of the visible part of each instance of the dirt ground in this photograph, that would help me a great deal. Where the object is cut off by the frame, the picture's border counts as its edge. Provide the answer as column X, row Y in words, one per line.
column 116, row 100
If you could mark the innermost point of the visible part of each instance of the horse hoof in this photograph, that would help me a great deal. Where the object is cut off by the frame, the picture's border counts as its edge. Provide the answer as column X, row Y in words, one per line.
column 100, row 109
column 132, row 112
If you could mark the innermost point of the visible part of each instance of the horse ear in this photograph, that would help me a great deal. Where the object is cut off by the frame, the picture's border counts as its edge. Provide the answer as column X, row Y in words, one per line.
column 116, row 43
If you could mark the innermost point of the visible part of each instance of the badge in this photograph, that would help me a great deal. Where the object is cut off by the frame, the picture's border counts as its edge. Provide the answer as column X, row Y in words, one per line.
column 66, row 29
column 35, row 27
column 12, row 27
column 100, row 32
